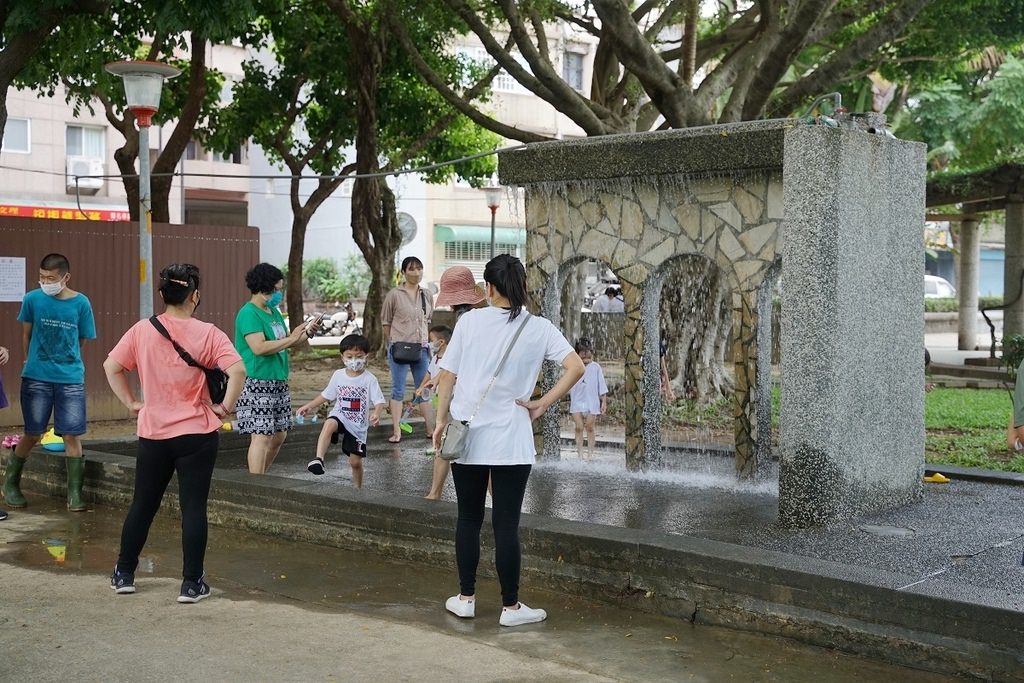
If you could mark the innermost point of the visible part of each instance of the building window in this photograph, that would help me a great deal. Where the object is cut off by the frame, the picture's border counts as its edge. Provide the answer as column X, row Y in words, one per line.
column 476, row 251
column 572, row 70
column 234, row 156
column 502, row 82
column 85, row 141
column 16, row 136
column 191, row 150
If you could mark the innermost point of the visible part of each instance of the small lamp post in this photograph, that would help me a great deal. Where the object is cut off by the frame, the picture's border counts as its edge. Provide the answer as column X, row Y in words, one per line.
column 493, row 196
column 143, row 83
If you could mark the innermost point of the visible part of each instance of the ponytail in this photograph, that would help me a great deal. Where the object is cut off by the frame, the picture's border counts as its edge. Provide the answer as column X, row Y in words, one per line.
column 507, row 274
column 177, row 282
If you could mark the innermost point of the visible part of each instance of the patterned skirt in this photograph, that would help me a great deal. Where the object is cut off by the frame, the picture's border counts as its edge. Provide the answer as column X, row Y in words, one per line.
column 265, row 407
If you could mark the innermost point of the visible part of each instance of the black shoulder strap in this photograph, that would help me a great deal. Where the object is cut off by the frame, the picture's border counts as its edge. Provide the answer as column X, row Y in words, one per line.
column 423, row 301
column 185, row 355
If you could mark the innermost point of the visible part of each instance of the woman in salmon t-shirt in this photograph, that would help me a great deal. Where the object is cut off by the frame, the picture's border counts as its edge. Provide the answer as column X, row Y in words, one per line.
column 178, row 425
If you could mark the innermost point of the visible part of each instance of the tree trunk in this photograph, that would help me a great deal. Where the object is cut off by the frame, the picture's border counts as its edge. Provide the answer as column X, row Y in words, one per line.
column 374, row 221
column 125, row 157
column 293, row 284
column 696, row 322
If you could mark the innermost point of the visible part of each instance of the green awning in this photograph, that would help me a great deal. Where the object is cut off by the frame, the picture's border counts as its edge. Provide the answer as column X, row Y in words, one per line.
column 477, row 233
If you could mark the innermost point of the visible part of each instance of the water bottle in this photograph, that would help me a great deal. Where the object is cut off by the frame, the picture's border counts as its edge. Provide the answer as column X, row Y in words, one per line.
column 300, row 419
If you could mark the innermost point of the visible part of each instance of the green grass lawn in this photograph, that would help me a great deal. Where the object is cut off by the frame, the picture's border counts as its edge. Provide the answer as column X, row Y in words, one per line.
column 967, row 427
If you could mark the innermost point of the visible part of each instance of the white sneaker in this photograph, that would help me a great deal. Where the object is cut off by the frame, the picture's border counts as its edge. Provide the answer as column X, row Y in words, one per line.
column 523, row 615
column 461, row 608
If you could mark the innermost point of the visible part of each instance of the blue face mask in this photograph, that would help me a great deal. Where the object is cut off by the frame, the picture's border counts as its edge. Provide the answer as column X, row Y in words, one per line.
column 275, row 299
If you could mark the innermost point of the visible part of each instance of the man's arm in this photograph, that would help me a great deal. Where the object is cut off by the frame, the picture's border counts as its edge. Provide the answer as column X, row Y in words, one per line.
column 26, row 337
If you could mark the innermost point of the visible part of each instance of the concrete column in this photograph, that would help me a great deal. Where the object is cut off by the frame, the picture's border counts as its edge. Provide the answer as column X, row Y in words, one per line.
column 1013, row 317
column 852, row 414
column 967, row 284
column 642, row 374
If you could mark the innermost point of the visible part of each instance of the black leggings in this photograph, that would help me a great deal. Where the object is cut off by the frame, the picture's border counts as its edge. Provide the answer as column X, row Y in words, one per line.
column 508, row 484
column 192, row 456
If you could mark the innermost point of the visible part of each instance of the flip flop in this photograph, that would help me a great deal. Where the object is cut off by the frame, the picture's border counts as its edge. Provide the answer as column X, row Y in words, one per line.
column 393, row 439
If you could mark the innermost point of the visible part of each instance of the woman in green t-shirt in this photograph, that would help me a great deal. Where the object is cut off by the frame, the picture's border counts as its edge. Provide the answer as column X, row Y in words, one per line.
column 264, row 409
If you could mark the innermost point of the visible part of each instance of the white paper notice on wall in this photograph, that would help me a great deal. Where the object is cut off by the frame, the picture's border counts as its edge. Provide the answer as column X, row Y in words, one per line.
column 12, row 278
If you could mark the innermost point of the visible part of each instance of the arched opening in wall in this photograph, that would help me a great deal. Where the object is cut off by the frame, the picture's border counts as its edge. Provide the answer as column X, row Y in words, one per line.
column 593, row 314
column 695, row 311
column 770, row 304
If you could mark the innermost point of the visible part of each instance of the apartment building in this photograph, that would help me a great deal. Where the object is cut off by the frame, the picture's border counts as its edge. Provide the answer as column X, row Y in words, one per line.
column 45, row 145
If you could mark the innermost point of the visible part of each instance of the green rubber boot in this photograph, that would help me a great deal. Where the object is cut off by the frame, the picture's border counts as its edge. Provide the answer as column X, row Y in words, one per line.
column 12, row 482
column 76, row 474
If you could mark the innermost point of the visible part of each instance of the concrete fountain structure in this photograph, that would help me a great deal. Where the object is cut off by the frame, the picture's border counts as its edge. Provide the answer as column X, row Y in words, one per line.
column 836, row 211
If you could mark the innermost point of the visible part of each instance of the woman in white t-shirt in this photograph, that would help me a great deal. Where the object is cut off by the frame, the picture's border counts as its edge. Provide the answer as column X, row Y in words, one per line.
column 499, row 444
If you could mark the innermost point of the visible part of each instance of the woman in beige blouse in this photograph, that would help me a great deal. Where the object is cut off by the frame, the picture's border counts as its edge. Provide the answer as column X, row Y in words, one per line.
column 406, row 318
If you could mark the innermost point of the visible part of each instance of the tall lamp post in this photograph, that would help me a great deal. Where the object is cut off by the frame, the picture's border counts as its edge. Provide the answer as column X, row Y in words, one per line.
column 493, row 196
column 143, row 83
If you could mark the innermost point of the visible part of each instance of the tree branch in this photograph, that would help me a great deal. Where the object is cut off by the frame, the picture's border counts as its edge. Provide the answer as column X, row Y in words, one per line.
column 660, row 83
column 885, row 30
column 449, row 95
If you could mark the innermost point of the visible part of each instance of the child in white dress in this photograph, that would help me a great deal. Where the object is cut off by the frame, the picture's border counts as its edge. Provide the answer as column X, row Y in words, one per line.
column 589, row 397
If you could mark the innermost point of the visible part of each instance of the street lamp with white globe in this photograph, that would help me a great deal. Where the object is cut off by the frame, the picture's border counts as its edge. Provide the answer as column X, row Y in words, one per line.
column 493, row 196
column 143, row 84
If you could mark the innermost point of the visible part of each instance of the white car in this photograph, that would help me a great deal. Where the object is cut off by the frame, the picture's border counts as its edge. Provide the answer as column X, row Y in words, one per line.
column 936, row 287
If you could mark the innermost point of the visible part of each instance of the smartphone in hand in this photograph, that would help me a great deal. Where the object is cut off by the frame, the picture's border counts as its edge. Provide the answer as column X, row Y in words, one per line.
column 313, row 325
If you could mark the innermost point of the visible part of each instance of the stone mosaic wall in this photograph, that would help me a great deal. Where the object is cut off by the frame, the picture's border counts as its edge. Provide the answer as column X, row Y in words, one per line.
column 638, row 226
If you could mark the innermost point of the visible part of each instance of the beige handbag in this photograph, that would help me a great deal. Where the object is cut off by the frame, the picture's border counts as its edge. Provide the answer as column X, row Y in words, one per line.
column 453, row 440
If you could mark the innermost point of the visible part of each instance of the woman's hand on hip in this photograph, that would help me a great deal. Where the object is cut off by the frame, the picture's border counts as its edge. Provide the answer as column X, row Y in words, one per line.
column 438, row 433
column 536, row 408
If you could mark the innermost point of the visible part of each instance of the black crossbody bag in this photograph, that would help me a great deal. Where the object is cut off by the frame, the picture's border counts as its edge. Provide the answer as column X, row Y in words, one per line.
column 216, row 379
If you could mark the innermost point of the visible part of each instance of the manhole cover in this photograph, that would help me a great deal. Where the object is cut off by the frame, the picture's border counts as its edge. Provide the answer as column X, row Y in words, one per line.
column 884, row 530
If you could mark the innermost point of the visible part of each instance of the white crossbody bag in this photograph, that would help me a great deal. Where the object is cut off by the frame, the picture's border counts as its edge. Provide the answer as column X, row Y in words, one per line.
column 453, row 440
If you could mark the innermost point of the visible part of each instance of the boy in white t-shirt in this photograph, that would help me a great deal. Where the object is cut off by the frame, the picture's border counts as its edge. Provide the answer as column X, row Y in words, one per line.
column 354, row 389
column 589, row 397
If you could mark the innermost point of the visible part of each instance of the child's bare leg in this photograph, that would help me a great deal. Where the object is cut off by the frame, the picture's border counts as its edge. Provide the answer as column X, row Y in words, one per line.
column 577, row 419
column 441, row 469
column 1011, row 435
column 591, row 422
column 427, row 411
column 357, row 470
column 324, row 440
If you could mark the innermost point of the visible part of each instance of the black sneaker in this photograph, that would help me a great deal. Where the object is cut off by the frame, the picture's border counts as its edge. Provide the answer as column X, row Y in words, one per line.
column 3, row 514
column 122, row 583
column 316, row 466
column 194, row 591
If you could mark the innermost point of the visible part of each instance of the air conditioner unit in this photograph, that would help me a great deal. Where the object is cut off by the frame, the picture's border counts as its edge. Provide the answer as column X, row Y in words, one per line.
column 85, row 166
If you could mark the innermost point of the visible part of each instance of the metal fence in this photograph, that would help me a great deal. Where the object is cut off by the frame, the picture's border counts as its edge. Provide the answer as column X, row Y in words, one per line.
column 104, row 260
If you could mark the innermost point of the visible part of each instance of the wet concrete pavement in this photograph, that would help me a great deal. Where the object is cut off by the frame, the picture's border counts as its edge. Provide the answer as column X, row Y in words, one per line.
column 284, row 610
column 935, row 585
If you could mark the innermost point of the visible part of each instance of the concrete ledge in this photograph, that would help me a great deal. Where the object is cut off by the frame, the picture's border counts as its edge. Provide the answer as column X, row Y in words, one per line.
column 752, row 145
column 824, row 603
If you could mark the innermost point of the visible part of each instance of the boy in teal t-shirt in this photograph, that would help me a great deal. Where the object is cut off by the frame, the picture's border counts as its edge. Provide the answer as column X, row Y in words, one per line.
column 55, row 321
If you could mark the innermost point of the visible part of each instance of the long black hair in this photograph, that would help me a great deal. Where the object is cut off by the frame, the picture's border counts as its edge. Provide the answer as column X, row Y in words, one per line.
column 507, row 275
column 177, row 282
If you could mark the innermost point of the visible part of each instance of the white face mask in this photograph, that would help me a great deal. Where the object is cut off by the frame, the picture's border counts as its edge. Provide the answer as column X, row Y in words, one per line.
column 434, row 347
column 52, row 288
column 355, row 364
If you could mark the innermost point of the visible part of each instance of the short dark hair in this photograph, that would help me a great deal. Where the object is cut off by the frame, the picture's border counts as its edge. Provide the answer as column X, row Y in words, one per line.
column 411, row 261
column 611, row 291
column 263, row 278
column 354, row 341
column 584, row 344
column 442, row 331
column 58, row 262
column 507, row 274
column 177, row 282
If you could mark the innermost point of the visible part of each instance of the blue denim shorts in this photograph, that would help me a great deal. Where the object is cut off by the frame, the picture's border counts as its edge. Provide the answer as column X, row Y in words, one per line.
column 400, row 373
column 65, row 401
